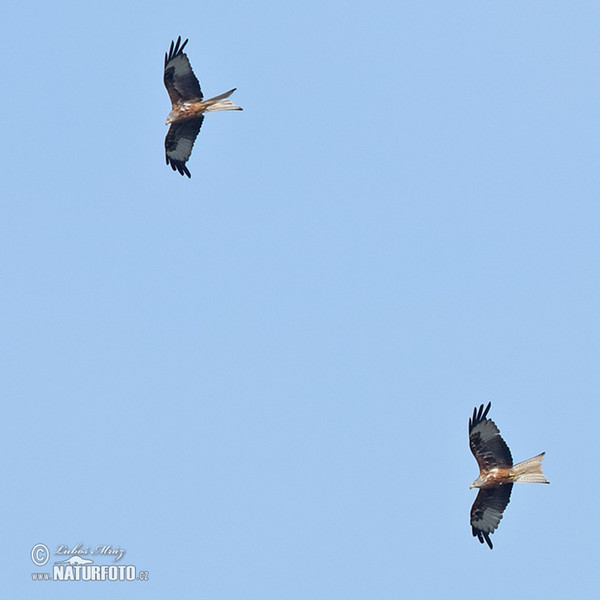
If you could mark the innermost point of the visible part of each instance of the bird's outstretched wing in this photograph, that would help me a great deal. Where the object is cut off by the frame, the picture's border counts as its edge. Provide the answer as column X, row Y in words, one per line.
column 487, row 510
column 488, row 447
column 179, row 143
column 180, row 81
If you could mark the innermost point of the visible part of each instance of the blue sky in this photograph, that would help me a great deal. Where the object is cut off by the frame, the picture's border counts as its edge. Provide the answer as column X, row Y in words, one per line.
column 257, row 382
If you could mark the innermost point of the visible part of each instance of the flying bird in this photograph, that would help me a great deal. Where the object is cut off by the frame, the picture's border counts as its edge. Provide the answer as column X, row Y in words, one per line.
column 496, row 473
column 188, row 107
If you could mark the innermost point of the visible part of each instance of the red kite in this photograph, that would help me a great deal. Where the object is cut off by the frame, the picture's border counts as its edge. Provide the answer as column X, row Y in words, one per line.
column 188, row 107
column 496, row 473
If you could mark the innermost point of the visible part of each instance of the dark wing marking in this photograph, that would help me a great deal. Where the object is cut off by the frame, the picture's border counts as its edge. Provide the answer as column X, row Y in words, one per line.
column 488, row 447
column 180, row 81
column 487, row 510
column 179, row 143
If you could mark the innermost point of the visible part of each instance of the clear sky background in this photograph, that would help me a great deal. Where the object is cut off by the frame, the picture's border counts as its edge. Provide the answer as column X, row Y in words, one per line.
column 257, row 382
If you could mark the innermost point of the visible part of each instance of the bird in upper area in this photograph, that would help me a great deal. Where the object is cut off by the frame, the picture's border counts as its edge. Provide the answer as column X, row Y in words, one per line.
column 188, row 107
column 497, row 473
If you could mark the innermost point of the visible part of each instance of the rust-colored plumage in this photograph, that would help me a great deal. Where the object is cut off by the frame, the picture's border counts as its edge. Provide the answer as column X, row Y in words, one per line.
column 496, row 473
column 188, row 107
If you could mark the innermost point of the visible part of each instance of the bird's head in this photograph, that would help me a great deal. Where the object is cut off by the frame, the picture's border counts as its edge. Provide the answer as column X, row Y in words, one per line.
column 170, row 118
column 477, row 483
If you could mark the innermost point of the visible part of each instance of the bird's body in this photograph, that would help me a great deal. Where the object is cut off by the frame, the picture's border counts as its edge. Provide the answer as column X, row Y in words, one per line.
column 188, row 107
column 528, row 471
column 497, row 474
column 183, row 112
column 192, row 110
column 492, row 478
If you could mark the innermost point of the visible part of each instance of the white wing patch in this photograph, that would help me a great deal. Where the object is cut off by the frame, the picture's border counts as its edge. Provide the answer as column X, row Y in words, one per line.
column 490, row 520
column 487, row 430
column 182, row 151
column 181, row 65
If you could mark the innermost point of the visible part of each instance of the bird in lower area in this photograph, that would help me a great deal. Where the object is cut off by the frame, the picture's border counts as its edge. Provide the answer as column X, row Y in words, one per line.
column 497, row 473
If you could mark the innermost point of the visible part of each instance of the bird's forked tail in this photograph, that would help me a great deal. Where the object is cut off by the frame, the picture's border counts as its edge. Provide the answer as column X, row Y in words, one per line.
column 530, row 470
column 220, row 102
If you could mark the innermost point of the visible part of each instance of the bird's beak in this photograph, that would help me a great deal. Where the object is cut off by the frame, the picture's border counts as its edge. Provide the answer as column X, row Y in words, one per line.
column 471, row 486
